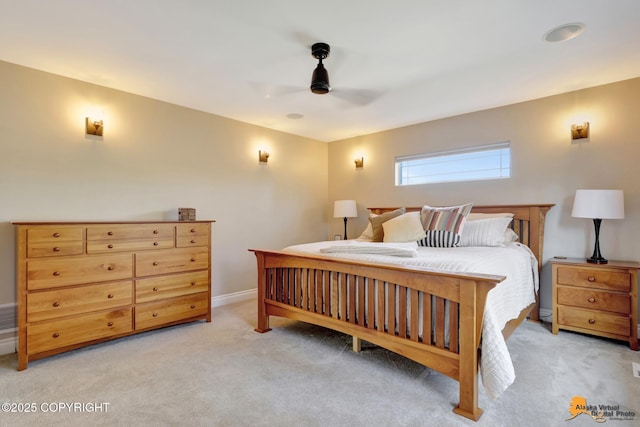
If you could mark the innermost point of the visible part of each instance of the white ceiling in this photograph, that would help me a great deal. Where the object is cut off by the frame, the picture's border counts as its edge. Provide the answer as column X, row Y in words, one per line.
column 392, row 63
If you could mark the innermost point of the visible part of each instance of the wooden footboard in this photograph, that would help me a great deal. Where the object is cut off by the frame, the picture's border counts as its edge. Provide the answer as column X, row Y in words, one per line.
column 403, row 309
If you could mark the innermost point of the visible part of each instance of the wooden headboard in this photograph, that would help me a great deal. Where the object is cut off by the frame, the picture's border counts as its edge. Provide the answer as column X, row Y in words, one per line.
column 528, row 222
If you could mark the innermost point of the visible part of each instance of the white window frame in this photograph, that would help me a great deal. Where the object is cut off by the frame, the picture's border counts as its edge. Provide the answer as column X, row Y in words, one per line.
column 402, row 168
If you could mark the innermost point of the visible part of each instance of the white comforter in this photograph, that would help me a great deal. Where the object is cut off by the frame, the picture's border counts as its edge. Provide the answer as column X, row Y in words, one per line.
column 505, row 301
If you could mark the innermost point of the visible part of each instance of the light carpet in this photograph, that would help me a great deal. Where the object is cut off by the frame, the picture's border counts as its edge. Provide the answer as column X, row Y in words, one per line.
column 225, row 374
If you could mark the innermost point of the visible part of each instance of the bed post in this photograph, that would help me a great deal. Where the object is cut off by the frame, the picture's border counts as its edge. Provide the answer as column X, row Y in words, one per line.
column 263, row 317
column 471, row 313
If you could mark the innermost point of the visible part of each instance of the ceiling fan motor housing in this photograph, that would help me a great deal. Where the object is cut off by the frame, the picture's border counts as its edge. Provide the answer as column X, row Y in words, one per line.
column 320, row 77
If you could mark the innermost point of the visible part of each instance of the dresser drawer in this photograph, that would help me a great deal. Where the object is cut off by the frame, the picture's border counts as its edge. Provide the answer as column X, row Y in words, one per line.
column 601, row 278
column 154, row 288
column 51, row 273
column 171, row 310
column 84, row 299
column 60, row 248
column 594, row 320
column 595, row 300
column 54, row 233
column 105, row 246
column 127, row 231
column 195, row 240
column 193, row 229
column 59, row 333
column 173, row 261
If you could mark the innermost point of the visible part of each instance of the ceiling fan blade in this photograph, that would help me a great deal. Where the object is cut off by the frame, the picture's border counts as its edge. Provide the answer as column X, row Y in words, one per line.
column 268, row 91
column 360, row 97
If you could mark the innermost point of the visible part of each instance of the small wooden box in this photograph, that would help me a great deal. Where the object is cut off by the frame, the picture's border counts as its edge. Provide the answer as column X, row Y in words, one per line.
column 186, row 214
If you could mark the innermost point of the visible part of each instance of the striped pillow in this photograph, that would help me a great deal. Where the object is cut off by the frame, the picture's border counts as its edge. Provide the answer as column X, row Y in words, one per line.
column 443, row 226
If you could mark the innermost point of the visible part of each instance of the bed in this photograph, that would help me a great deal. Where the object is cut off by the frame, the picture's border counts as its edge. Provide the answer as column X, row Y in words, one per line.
column 432, row 316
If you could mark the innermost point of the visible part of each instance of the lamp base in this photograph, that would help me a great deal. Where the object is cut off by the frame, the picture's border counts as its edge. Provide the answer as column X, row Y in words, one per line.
column 600, row 260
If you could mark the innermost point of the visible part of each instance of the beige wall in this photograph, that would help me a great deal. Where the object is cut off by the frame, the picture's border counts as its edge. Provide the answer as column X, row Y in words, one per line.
column 154, row 158
column 546, row 166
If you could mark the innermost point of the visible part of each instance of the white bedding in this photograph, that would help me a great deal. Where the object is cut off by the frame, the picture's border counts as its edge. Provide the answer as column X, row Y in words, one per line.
column 505, row 301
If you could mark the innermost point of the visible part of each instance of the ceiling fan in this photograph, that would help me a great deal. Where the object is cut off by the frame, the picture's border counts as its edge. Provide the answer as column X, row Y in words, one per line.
column 320, row 77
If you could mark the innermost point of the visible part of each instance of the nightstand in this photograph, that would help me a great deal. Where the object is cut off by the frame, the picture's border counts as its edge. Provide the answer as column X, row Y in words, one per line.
column 596, row 299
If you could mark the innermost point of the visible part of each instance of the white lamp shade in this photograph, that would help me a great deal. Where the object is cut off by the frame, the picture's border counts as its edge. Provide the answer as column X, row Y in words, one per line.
column 603, row 204
column 345, row 209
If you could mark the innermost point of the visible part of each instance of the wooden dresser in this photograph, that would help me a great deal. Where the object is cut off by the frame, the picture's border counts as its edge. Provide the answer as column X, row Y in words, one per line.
column 597, row 299
column 80, row 283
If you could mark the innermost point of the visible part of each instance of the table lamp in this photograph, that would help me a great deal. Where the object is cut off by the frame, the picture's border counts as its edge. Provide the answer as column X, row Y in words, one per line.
column 598, row 205
column 345, row 209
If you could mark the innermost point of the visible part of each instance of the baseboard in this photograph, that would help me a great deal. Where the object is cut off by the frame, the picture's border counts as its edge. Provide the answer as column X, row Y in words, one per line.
column 233, row 297
column 8, row 345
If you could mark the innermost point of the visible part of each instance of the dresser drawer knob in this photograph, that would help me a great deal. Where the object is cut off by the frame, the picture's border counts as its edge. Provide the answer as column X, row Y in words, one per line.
column 109, row 233
column 110, row 296
column 155, row 262
column 56, row 335
column 193, row 230
column 56, row 234
column 56, row 304
column 110, row 246
column 56, row 249
column 592, row 300
column 155, row 314
column 193, row 283
column 56, row 273
column 193, row 306
column 155, row 289
column 110, row 324
column 155, row 231
column 592, row 321
column 155, row 243
column 193, row 241
column 591, row 279
column 193, row 260
column 110, row 268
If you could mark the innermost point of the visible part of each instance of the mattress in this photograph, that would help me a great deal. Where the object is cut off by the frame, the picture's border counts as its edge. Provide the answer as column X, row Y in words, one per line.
column 515, row 261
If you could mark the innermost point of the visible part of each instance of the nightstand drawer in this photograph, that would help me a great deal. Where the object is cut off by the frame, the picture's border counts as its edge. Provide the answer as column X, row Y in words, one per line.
column 594, row 320
column 601, row 278
column 594, row 300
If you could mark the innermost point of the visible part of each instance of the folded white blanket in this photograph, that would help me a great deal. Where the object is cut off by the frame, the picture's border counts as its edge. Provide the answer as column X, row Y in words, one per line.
column 407, row 250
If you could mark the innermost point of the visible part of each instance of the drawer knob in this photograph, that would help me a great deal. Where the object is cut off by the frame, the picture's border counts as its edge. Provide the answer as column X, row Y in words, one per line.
column 193, row 283
column 155, row 231
column 110, row 296
column 193, row 241
column 56, row 273
column 155, row 289
column 56, row 304
column 193, row 230
column 155, row 314
column 109, row 233
column 592, row 300
column 591, row 279
column 56, row 249
column 592, row 321
column 110, row 324
column 110, row 246
column 155, row 262
column 56, row 335
column 110, row 268
column 193, row 306
column 193, row 260
column 155, row 243
column 56, row 234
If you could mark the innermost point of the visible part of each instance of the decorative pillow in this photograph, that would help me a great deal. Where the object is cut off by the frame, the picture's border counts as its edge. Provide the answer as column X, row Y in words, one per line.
column 474, row 216
column 367, row 234
column 510, row 236
column 376, row 223
column 485, row 232
column 443, row 226
column 403, row 228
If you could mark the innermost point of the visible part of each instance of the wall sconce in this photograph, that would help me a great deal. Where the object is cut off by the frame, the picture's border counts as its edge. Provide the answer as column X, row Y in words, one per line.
column 94, row 127
column 359, row 161
column 579, row 131
column 263, row 156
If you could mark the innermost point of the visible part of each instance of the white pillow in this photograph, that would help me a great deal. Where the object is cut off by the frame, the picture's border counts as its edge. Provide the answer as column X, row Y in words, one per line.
column 474, row 216
column 367, row 234
column 403, row 228
column 510, row 236
column 485, row 232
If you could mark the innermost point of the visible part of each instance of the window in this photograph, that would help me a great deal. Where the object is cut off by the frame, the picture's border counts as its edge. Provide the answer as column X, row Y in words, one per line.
column 467, row 164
